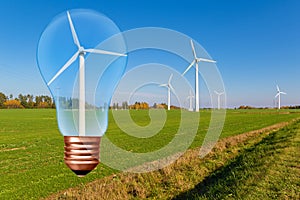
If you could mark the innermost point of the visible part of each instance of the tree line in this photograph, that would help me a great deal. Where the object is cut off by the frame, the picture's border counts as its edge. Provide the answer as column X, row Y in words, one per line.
column 141, row 106
column 282, row 107
column 26, row 101
column 44, row 101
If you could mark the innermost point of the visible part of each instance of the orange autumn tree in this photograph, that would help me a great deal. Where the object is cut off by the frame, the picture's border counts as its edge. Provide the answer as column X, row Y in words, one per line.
column 139, row 105
column 12, row 104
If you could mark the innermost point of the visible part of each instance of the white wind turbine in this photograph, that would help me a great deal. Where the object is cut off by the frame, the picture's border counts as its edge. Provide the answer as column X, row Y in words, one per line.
column 190, row 97
column 219, row 95
column 195, row 62
column 80, row 53
column 278, row 95
column 170, row 87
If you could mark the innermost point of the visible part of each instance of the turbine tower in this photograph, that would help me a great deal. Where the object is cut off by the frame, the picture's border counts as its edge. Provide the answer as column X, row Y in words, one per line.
column 219, row 95
column 170, row 87
column 195, row 62
column 80, row 53
column 278, row 95
column 190, row 97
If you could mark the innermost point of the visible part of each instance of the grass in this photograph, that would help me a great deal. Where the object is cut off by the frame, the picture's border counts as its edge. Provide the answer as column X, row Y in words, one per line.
column 178, row 180
column 31, row 156
column 237, row 121
column 269, row 169
column 31, row 147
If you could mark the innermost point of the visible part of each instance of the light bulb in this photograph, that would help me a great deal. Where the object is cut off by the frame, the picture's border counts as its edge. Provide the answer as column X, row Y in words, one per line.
column 81, row 56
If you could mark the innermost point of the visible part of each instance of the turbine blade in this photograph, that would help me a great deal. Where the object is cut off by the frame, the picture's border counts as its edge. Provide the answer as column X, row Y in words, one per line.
column 277, row 88
column 170, row 78
column 75, row 38
column 70, row 61
column 188, row 68
column 171, row 87
column 163, row 85
column 98, row 51
column 206, row 60
column 282, row 93
column 219, row 93
column 277, row 95
column 193, row 49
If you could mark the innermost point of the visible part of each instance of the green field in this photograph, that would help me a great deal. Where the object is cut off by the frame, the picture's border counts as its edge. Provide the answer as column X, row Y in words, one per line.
column 268, row 169
column 31, row 147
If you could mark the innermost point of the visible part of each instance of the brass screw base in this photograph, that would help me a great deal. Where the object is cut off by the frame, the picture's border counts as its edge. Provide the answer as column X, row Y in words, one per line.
column 81, row 153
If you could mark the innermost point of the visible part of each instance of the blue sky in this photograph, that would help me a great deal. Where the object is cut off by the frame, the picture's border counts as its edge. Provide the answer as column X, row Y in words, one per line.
column 256, row 43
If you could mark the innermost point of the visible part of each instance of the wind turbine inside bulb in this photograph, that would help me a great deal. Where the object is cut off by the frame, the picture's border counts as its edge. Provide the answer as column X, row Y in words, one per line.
column 190, row 97
column 80, row 53
column 195, row 62
column 278, row 95
column 219, row 95
column 170, row 87
column 81, row 152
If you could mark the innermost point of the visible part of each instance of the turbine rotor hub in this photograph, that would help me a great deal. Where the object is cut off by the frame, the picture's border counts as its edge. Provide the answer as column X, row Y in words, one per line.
column 81, row 50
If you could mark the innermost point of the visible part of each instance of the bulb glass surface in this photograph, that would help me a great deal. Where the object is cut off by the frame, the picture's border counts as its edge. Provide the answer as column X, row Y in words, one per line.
column 102, row 72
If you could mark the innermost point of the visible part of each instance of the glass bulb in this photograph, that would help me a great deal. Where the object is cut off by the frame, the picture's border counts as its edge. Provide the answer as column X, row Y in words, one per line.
column 81, row 56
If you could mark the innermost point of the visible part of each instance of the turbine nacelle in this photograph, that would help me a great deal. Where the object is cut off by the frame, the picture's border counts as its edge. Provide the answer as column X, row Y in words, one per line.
column 81, row 50
column 219, row 93
column 168, row 85
column 279, row 92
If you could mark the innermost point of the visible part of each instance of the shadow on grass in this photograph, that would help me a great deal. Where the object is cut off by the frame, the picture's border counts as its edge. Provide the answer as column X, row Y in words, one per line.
column 226, row 182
